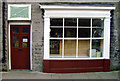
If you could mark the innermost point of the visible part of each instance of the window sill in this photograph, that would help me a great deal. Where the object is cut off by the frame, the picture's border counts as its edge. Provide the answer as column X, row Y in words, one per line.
column 60, row 58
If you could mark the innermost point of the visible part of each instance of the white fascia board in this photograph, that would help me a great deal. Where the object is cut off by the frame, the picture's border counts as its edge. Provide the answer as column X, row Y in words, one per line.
column 47, row 7
column 77, row 13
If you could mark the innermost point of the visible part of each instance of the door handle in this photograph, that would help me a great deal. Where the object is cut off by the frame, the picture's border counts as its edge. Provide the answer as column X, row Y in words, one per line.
column 19, row 49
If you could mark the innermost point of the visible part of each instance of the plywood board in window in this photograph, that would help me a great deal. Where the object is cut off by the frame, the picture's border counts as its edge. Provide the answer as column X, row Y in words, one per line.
column 83, row 47
column 70, row 48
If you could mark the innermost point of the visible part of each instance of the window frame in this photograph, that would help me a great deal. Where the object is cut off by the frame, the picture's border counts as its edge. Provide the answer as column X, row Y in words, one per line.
column 19, row 5
column 78, row 12
column 77, row 38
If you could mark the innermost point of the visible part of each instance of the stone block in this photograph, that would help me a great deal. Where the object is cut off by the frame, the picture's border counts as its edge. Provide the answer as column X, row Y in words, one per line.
column 37, row 34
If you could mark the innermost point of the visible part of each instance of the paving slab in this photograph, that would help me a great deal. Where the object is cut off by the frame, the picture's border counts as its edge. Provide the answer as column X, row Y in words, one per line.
column 40, row 75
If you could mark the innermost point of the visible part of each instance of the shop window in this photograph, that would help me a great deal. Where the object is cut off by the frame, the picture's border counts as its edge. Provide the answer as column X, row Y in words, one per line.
column 84, row 32
column 70, row 32
column 69, row 48
column 76, row 32
column 84, row 22
column 56, row 32
column 56, row 22
column 55, row 47
column 76, row 37
column 98, row 26
column 56, row 29
column 70, row 21
column 83, row 48
column 97, row 48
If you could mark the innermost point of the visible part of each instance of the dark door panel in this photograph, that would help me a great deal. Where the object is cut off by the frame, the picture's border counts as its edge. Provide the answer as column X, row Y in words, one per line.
column 20, row 46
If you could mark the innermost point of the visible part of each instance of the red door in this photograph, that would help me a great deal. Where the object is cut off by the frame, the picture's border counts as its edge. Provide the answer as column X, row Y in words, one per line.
column 20, row 46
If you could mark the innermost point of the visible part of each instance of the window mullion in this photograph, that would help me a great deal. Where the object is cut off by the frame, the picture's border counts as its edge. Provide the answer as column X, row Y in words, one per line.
column 91, row 40
column 77, row 41
column 63, row 41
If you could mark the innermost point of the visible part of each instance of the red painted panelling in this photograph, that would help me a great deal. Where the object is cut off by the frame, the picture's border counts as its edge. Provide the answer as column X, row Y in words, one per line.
column 75, row 66
column 46, row 66
column 106, row 65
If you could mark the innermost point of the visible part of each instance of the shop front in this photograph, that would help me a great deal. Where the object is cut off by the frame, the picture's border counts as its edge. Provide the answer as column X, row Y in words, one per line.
column 76, row 38
column 58, row 37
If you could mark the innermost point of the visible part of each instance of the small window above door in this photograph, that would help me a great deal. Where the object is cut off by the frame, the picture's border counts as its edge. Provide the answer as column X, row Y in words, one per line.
column 19, row 11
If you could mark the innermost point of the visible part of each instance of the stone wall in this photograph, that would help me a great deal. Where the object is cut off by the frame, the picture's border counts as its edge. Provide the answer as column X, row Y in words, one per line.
column 115, row 38
column 37, row 37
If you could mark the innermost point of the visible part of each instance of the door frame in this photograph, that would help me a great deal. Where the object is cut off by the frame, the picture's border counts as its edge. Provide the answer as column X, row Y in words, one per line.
column 10, row 42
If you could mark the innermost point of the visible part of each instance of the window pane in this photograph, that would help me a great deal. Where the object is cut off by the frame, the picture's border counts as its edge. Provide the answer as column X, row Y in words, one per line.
column 97, row 32
column 97, row 22
column 15, row 30
column 97, row 48
column 56, row 22
column 84, row 32
column 55, row 47
column 25, row 42
column 56, row 32
column 70, row 48
column 25, row 30
column 15, row 41
column 70, row 32
column 83, row 48
column 70, row 22
column 84, row 22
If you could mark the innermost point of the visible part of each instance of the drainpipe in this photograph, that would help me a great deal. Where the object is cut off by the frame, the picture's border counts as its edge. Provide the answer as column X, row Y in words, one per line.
column 3, row 23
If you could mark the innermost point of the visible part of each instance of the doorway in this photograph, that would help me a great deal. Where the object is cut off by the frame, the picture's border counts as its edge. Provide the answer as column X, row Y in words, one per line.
column 20, row 46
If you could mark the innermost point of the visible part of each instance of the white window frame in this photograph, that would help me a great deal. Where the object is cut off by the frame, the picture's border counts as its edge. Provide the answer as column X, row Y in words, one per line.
column 19, row 5
column 77, row 12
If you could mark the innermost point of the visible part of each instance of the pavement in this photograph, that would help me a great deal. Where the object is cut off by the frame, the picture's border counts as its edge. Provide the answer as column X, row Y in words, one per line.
column 41, row 75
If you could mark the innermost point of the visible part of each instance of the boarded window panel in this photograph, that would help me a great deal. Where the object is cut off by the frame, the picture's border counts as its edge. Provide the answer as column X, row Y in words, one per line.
column 55, row 47
column 70, row 48
column 83, row 48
